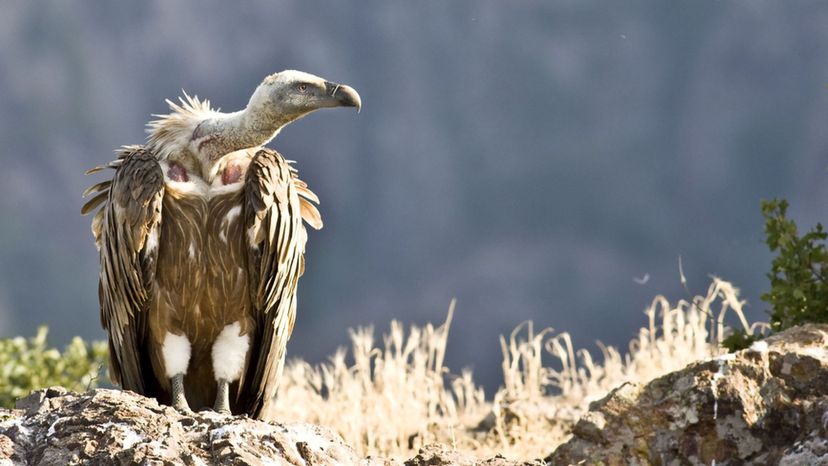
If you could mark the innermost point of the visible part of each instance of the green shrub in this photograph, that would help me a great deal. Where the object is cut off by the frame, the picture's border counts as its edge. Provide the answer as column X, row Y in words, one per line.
column 739, row 339
column 30, row 365
column 799, row 292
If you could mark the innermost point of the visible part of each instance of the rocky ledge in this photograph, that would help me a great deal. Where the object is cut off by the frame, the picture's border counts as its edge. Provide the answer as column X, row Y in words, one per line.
column 103, row 427
column 54, row 427
column 761, row 406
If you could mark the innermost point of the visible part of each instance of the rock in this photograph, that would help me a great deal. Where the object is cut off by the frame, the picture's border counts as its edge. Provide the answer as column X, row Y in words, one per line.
column 54, row 427
column 764, row 405
column 442, row 455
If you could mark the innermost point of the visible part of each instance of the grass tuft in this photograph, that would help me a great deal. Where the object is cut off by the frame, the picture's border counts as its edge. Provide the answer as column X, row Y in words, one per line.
column 391, row 398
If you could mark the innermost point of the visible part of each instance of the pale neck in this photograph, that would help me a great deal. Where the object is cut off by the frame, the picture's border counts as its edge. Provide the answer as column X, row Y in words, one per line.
column 231, row 132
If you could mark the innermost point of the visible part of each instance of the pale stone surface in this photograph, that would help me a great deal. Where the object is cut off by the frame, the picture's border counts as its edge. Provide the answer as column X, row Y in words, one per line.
column 765, row 405
column 442, row 455
column 102, row 427
column 53, row 427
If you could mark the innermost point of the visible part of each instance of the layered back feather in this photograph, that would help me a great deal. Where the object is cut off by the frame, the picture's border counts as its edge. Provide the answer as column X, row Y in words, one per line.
column 101, row 192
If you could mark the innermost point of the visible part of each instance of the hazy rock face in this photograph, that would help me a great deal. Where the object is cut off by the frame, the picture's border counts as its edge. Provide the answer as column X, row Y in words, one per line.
column 764, row 405
column 54, row 427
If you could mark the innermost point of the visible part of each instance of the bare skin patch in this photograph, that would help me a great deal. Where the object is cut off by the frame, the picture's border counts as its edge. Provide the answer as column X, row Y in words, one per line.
column 177, row 172
column 231, row 174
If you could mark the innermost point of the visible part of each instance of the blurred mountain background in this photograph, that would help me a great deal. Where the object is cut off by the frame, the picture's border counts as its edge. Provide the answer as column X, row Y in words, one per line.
column 529, row 158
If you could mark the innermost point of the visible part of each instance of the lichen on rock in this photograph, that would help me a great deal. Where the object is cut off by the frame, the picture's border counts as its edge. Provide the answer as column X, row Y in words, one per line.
column 763, row 405
column 53, row 426
column 102, row 427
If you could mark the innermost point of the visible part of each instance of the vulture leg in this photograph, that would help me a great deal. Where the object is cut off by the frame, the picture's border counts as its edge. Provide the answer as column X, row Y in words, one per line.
column 229, row 354
column 176, row 351
column 222, row 397
column 178, row 398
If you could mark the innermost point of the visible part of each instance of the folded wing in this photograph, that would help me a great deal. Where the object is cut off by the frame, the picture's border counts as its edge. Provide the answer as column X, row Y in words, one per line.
column 126, row 229
column 276, row 202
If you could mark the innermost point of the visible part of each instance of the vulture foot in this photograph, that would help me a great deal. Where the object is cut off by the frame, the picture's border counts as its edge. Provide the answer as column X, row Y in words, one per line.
column 179, row 400
column 222, row 405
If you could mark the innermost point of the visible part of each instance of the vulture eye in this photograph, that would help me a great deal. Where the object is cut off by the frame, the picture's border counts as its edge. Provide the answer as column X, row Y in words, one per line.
column 303, row 88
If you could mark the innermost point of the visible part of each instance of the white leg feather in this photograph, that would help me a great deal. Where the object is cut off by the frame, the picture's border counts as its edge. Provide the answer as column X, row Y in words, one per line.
column 229, row 352
column 176, row 352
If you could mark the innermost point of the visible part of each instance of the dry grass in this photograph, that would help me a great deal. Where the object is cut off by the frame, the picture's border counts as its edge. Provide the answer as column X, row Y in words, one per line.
column 391, row 398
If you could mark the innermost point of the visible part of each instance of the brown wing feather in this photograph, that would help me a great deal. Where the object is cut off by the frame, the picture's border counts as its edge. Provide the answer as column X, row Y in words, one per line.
column 131, row 213
column 273, row 217
column 307, row 199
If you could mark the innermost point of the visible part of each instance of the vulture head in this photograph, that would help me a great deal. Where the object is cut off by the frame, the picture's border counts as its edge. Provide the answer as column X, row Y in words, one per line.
column 293, row 94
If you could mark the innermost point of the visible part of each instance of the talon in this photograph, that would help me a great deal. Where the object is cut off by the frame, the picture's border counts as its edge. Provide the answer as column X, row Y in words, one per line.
column 179, row 399
column 222, row 405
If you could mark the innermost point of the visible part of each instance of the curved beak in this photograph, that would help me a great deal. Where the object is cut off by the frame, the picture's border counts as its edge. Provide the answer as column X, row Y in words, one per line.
column 343, row 96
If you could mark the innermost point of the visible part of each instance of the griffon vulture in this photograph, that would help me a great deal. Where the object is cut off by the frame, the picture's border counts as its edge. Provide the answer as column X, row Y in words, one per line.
column 202, row 242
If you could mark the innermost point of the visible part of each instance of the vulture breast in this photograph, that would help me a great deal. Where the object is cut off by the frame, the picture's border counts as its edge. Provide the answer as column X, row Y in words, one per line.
column 201, row 285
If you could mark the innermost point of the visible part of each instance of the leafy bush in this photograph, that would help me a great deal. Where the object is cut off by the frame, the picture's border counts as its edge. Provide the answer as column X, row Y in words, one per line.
column 799, row 292
column 30, row 365
column 739, row 340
